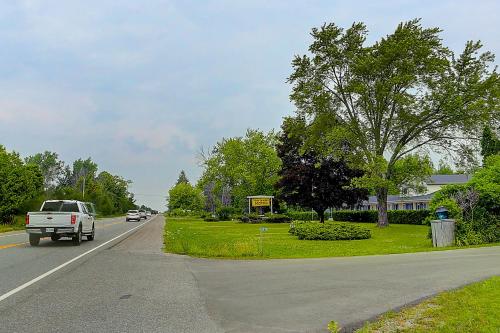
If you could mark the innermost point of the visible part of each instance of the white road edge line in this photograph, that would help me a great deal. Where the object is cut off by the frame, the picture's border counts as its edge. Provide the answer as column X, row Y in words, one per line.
column 53, row 270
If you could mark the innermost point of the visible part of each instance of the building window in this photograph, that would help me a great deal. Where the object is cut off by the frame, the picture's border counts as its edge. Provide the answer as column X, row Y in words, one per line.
column 409, row 206
column 421, row 205
column 395, row 206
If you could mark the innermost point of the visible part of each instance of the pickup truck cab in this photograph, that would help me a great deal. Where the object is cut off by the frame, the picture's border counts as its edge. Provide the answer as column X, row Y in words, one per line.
column 61, row 218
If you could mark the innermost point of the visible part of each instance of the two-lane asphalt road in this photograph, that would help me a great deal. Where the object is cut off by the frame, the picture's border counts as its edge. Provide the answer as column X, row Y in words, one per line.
column 20, row 263
column 126, row 285
column 130, row 285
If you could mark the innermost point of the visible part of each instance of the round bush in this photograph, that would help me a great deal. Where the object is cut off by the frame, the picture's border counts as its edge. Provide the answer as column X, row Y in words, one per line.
column 328, row 231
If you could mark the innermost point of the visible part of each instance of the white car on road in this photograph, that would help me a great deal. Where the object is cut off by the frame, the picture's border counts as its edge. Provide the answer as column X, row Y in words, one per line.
column 133, row 215
column 61, row 218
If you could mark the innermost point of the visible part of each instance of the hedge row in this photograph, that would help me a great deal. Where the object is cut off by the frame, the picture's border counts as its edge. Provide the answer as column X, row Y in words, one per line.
column 328, row 231
column 268, row 218
column 303, row 216
column 371, row 216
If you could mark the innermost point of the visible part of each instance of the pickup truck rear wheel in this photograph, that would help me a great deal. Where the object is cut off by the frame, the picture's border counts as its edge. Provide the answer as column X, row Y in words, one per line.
column 77, row 239
column 34, row 240
column 92, row 235
column 55, row 237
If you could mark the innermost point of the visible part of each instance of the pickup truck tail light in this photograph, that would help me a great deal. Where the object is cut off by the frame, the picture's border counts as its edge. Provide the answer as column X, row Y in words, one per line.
column 27, row 219
column 73, row 219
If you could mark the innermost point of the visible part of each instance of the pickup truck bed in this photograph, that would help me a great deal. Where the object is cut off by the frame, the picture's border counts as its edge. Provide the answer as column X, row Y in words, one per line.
column 75, row 223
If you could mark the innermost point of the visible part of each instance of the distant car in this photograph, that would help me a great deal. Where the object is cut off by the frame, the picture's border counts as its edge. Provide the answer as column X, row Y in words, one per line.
column 133, row 215
column 142, row 213
column 148, row 213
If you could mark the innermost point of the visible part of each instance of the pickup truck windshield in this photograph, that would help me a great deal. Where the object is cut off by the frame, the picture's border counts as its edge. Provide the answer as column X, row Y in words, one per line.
column 60, row 206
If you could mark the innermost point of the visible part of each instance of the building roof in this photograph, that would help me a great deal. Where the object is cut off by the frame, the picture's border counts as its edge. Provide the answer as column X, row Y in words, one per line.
column 433, row 180
column 448, row 179
column 400, row 198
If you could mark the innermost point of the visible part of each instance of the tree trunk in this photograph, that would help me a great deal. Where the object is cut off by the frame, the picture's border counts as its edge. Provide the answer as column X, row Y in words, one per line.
column 382, row 207
column 321, row 215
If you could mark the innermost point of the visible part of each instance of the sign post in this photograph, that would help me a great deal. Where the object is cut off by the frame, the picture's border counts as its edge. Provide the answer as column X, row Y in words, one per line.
column 260, row 201
column 261, row 243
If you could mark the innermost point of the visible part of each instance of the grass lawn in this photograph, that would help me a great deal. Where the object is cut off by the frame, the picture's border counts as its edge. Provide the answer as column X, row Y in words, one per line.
column 474, row 308
column 18, row 224
column 198, row 238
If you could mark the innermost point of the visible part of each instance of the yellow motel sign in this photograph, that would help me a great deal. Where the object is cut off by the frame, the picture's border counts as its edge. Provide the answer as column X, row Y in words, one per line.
column 261, row 202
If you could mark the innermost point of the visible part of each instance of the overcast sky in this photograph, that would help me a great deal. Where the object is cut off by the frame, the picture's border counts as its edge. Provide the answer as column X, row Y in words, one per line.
column 140, row 86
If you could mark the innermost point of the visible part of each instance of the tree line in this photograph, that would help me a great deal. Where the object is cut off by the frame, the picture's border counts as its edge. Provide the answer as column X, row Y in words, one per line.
column 367, row 116
column 26, row 183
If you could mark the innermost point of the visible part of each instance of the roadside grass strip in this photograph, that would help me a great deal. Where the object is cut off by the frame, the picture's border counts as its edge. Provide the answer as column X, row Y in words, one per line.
column 234, row 240
column 474, row 308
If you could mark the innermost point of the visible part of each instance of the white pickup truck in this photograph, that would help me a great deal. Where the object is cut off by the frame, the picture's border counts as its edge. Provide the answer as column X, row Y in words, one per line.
column 61, row 218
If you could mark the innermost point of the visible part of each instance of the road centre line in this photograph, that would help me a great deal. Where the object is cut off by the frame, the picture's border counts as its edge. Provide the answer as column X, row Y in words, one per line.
column 8, row 246
column 40, row 277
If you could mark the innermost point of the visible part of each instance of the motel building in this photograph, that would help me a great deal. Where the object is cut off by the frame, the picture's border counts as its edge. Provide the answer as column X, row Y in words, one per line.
column 416, row 202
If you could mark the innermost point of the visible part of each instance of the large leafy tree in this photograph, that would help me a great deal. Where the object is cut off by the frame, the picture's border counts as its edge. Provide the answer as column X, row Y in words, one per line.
column 393, row 98
column 112, row 191
column 241, row 166
column 18, row 183
column 309, row 179
column 185, row 196
column 51, row 167
column 109, row 192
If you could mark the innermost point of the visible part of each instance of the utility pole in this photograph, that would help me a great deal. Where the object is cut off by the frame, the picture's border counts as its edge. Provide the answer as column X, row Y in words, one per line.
column 312, row 195
column 83, row 171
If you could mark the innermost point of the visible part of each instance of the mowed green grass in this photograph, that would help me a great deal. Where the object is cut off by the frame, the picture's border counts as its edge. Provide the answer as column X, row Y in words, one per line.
column 474, row 308
column 198, row 238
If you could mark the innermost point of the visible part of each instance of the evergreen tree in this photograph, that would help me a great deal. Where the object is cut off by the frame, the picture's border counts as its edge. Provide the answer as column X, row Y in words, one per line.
column 182, row 178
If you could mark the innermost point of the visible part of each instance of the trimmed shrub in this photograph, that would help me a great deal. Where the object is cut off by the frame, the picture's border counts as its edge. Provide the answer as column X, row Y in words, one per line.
column 355, row 215
column 237, row 217
column 329, row 231
column 371, row 216
column 475, row 205
column 277, row 218
column 303, row 216
column 251, row 218
column 205, row 214
column 224, row 213
column 268, row 218
column 408, row 216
